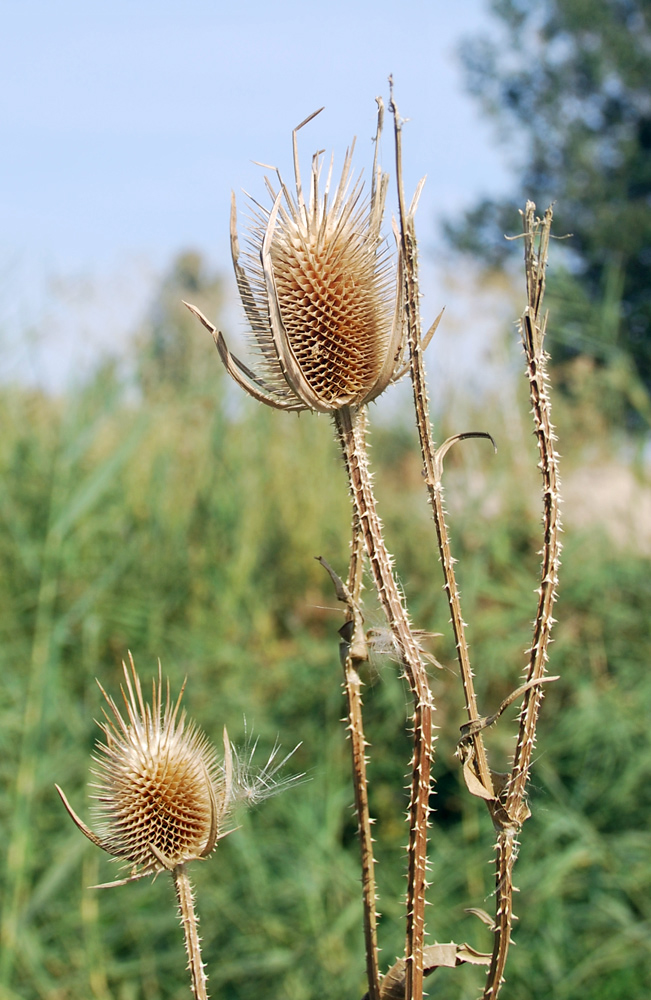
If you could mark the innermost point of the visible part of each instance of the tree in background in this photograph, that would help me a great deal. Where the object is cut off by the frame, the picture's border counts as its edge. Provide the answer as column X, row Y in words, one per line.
column 170, row 355
column 568, row 83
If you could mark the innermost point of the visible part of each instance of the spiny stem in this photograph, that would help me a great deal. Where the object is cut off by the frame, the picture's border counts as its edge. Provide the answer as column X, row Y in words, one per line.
column 506, row 849
column 512, row 811
column 351, row 426
column 369, row 893
column 353, row 652
column 433, row 467
column 353, row 685
column 536, row 234
column 190, row 924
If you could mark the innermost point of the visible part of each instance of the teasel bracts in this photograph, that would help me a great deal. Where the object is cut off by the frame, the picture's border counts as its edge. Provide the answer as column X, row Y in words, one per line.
column 161, row 791
column 318, row 287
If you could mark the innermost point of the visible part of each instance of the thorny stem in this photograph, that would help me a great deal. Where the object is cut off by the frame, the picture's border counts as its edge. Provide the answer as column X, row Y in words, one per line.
column 360, row 783
column 190, row 924
column 510, row 816
column 355, row 654
column 536, row 234
column 431, row 460
column 350, row 427
column 506, row 850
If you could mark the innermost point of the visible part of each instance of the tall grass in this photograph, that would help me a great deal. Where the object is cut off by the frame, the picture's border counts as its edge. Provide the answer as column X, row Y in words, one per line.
column 177, row 525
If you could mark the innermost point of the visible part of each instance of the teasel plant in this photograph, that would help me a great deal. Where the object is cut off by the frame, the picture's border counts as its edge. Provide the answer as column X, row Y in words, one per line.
column 164, row 795
column 326, row 316
column 334, row 323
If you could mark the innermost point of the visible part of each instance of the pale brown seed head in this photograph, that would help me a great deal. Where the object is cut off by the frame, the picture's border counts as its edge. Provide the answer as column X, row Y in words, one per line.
column 162, row 794
column 320, row 295
column 159, row 789
column 333, row 303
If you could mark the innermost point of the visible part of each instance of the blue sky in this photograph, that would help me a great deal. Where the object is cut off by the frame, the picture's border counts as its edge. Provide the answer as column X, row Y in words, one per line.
column 126, row 125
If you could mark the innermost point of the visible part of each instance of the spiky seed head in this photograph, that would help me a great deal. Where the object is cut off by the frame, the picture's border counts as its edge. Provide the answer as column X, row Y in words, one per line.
column 320, row 277
column 157, row 781
column 318, row 288
column 331, row 278
column 160, row 791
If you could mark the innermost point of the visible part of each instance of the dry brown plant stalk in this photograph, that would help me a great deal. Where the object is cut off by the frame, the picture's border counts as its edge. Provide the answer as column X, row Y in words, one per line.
column 351, row 436
column 315, row 289
column 353, row 651
column 433, row 457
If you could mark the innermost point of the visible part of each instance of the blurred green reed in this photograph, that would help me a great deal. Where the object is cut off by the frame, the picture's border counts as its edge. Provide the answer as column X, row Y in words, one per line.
column 176, row 522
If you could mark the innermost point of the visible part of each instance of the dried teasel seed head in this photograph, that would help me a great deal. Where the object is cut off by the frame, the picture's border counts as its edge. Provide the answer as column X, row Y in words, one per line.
column 331, row 288
column 317, row 286
column 161, row 793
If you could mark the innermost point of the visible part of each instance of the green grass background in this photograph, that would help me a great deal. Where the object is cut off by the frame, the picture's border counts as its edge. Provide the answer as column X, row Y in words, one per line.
column 164, row 514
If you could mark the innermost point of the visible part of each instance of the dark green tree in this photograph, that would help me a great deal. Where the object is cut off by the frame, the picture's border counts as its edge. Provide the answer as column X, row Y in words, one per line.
column 568, row 82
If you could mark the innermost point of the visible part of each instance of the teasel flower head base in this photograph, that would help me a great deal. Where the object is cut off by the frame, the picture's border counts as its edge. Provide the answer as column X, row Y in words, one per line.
column 316, row 283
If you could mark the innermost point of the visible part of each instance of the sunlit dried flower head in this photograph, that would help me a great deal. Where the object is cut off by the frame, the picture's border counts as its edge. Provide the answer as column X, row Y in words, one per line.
column 317, row 285
column 161, row 791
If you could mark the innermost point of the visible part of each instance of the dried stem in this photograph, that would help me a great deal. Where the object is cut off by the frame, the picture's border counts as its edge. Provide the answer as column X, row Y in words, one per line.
column 433, row 459
column 533, row 325
column 353, row 686
column 512, row 810
column 506, row 853
column 190, row 924
column 506, row 804
column 354, row 651
column 350, row 423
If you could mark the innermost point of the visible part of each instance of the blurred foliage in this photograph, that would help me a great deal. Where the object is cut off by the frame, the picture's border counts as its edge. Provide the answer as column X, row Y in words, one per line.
column 170, row 356
column 567, row 83
column 168, row 521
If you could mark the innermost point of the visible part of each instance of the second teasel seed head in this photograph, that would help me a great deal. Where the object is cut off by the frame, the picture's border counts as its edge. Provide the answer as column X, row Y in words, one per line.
column 161, row 792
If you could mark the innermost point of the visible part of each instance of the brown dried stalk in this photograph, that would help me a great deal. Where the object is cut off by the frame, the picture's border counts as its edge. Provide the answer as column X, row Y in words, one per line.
column 185, row 899
column 350, row 425
column 433, row 457
column 533, row 327
column 512, row 809
column 316, row 294
column 353, row 652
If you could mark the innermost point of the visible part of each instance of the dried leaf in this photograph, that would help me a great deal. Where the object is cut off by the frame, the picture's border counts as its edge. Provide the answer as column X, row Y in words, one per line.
column 435, row 956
